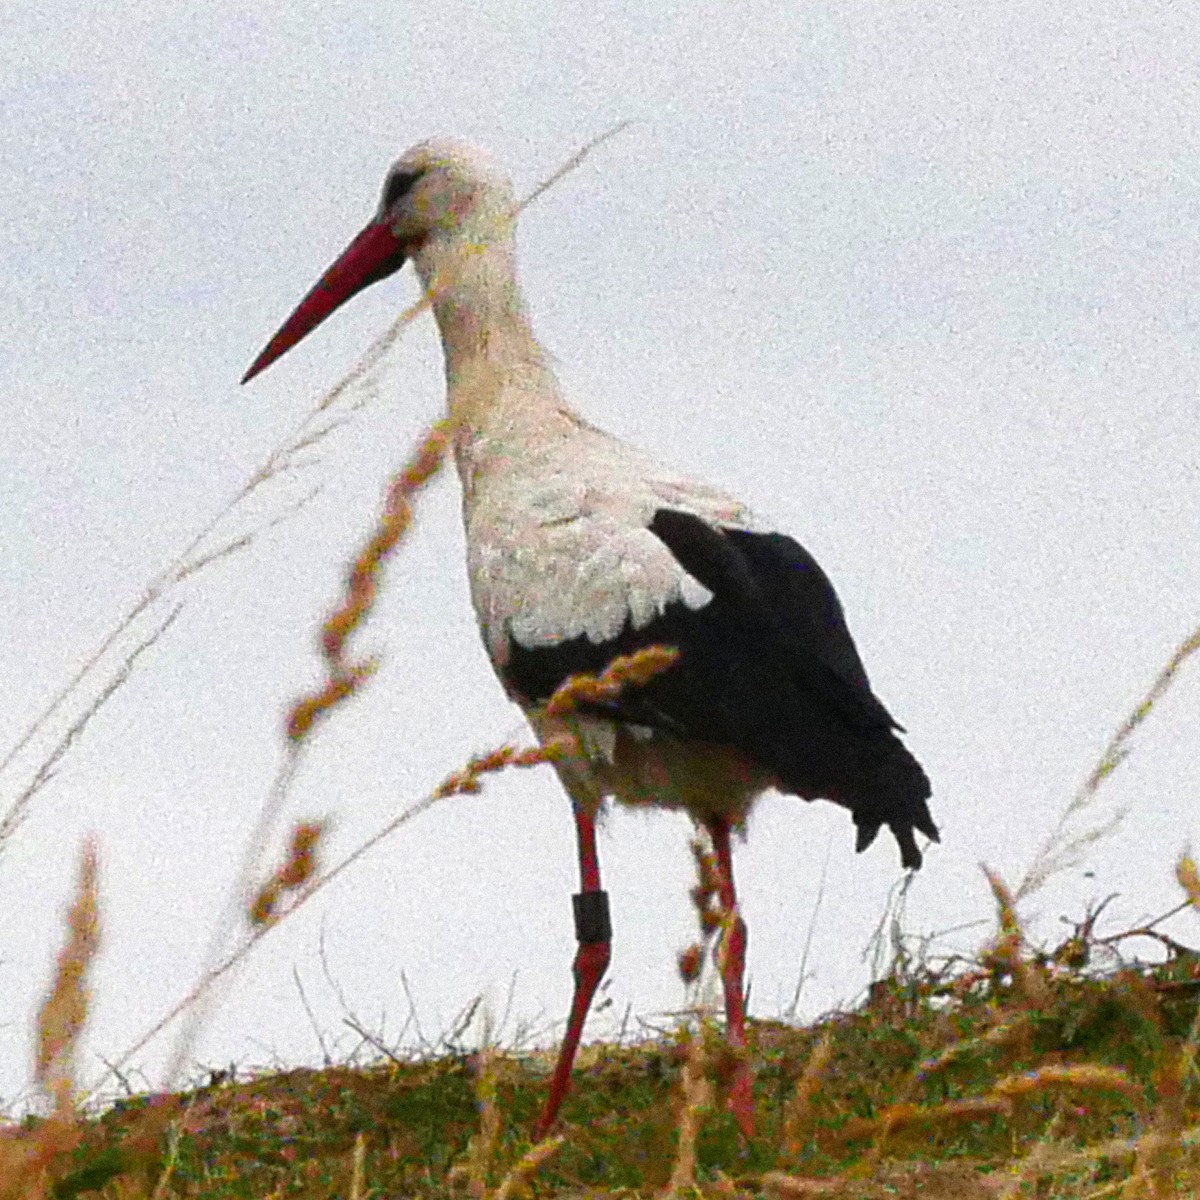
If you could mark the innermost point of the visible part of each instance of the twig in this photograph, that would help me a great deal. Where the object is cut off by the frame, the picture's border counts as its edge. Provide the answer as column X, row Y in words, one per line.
column 371, row 1039
column 790, row 1012
column 45, row 772
column 312, row 1020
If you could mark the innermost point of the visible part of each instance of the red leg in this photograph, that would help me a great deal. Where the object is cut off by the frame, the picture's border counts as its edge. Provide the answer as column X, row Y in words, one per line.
column 733, row 954
column 594, row 931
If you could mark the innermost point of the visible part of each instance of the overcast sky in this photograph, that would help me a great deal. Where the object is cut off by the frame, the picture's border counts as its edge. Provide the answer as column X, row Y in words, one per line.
column 917, row 281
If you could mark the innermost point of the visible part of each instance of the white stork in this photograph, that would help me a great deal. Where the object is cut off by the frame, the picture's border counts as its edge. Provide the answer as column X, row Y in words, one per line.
column 581, row 548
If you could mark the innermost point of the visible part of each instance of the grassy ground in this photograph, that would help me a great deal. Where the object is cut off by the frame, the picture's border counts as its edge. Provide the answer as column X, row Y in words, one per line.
column 1018, row 1075
column 1021, row 1078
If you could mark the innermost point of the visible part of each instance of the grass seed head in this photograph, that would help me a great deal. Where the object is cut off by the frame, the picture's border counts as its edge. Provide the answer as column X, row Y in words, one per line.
column 467, row 781
column 294, row 872
column 1189, row 879
column 690, row 961
column 301, row 862
column 626, row 670
column 363, row 582
column 336, row 689
column 64, row 1011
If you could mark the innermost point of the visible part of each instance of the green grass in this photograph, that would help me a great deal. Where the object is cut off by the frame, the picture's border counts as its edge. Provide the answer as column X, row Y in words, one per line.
column 934, row 1088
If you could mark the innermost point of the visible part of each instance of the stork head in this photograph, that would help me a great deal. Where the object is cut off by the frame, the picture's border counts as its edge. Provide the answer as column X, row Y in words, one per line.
column 439, row 193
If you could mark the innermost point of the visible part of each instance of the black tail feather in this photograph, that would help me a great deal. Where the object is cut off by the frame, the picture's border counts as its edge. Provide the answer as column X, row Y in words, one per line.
column 895, row 796
column 865, row 833
column 910, row 855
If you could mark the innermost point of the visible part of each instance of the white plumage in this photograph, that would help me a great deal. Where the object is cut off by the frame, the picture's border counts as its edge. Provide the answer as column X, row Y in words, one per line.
column 553, row 556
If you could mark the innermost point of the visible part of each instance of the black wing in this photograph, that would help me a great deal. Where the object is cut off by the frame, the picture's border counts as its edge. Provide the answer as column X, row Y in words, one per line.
column 767, row 666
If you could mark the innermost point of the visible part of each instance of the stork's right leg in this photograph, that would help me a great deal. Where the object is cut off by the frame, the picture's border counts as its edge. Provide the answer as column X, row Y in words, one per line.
column 733, row 965
column 593, row 929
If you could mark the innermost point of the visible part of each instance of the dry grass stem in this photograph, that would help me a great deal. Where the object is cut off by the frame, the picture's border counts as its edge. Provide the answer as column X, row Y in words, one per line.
column 798, row 1113
column 1117, row 749
column 1005, row 954
column 393, row 524
column 572, row 164
column 802, row 1189
column 467, row 781
column 516, row 1183
column 164, row 1179
column 696, row 1102
column 480, row 1160
column 337, row 688
column 810, row 932
column 26, row 1156
column 358, row 1167
column 908, row 1119
column 1063, row 850
column 11, row 820
column 1081, row 1076
column 475, row 1172
column 1007, row 1033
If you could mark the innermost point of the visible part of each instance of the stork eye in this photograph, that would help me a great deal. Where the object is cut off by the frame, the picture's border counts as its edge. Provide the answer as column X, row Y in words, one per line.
column 398, row 185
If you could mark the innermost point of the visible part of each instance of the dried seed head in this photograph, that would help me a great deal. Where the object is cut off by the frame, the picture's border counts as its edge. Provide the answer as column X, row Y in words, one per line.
column 625, row 670
column 690, row 961
column 301, row 861
column 295, row 871
column 63, row 1013
column 363, row 583
column 1189, row 879
column 262, row 908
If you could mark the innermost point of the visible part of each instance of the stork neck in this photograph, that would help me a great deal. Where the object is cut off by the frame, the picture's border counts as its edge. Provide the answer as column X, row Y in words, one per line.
column 476, row 300
column 495, row 369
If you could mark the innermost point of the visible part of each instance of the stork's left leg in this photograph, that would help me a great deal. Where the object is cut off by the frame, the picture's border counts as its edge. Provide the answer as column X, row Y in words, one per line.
column 593, row 930
column 733, row 964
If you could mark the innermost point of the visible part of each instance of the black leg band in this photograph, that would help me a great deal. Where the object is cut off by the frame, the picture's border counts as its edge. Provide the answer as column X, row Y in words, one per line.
column 592, row 922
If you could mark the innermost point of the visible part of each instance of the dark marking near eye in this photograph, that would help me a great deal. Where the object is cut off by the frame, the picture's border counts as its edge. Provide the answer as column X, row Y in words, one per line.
column 398, row 185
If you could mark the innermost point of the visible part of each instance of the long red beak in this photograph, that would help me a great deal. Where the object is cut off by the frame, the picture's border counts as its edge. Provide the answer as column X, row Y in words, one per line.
column 375, row 254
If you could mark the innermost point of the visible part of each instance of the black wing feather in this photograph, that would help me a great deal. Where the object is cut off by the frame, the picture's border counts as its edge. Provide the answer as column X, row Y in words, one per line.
column 767, row 666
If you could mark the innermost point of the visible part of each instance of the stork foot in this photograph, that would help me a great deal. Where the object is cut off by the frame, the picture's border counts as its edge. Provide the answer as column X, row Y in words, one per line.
column 591, row 961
